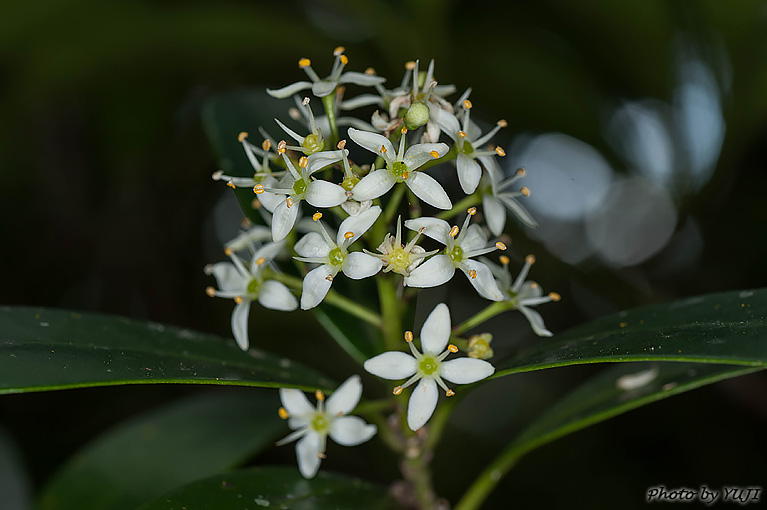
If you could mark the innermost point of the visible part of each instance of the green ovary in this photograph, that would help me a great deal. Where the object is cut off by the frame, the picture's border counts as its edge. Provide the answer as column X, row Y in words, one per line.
column 299, row 187
column 320, row 422
column 456, row 254
column 349, row 182
column 467, row 148
column 253, row 287
column 399, row 170
column 313, row 143
column 336, row 257
column 428, row 365
column 398, row 258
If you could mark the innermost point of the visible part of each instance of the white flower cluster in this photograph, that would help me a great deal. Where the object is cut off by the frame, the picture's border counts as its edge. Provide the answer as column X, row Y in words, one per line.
column 414, row 130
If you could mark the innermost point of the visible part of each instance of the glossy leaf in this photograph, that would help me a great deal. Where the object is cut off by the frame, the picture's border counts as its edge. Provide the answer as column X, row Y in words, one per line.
column 45, row 349
column 147, row 456
column 615, row 391
column 728, row 328
column 274, row 487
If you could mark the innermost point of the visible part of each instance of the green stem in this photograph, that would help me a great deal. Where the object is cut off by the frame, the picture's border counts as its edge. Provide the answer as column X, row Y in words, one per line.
column 416, row 470
column 438, row 422
column 461, row 206
column 327, row 102
column 488, row 313
column 488, row 479
column 390, row 312
column 393, row 205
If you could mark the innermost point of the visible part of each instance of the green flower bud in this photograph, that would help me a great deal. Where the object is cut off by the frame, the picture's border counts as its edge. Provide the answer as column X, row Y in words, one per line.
column 479, row 346
column 417, row 115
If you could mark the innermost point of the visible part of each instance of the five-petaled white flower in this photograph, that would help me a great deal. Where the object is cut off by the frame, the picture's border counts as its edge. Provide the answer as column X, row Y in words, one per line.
column 401, row 258
column 468, row 141
column 244, row 285
column 298, row 185
column 325, row 86
column 320, row 248
column 495, row 200
column 313, row 425
column 461, row 245
column 522, row 294
column 428, row 369
column 400, row 167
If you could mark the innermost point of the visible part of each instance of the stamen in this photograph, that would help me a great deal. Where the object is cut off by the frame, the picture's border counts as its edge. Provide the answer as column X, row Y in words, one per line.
column 228, row 252
column 303, row 162
column 210, row 291
column 410, row 65
column 294, row 113
column 405, row 175
column 305, row 101
column 304, row 62
column 218, row 175
column 472, row 210
column 238, row 299
column 434, row 154
column 258, row 189
column 525, row 191
column 255, row 204
column 383, row 150
column 449, row 393
column 462, row 134
column 520, row 172
column 452, row 348
column 341, row 144
column 502, row 123
column 348, row 235
column 370, row 71
column 504, row 260
column 530, row 259
column 473, row 274
column 454, row 231
column 467, row 104
column 500, row 246
column 322, row 455
column 344, row 59
column 554, row 296
column 283, row 413
column 281, row 146
column 408, row 336
column 339, row 51
column 266, row 144
column 316, row 216
column 329, row 278
column 403, row 130
column 260, row 261
column 289, row 202
column 397, row 390
column 533, row 285
column 499, row 150
column 319, row 395
column 231, row 185
column 242, row 136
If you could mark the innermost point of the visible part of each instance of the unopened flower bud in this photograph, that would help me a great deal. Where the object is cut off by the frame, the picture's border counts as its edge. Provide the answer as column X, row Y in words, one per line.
column 417, row 115
column 479, row 346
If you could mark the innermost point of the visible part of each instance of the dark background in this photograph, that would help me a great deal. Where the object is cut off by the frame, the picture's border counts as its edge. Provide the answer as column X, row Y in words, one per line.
column 107, row 203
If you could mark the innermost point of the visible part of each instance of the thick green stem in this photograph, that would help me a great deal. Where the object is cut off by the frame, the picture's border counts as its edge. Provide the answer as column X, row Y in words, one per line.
column 461, row 206
column 391, row 312
column 488, row 479
column 488, row 313
column 328, row 102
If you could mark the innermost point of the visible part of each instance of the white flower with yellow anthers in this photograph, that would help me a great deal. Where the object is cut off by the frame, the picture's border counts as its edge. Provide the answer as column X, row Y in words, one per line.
column 247, row 284
column 312, row 425
column 352, row 206
column 325, row 86
column 428, row 369
column 400, row 167
column 298, row 185
column 495, row 200
column 523, row 293
column 468, row 141
column 461, row 245
column 400, row 258
column 333, row 255
column 311, row 143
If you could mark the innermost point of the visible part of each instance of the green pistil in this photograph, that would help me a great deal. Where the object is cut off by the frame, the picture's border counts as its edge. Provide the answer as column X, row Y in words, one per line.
column 253, row 287
column 313, row 143
column 467, row 148
column 456, row 254
column 299, row 187
column 336, row 257
column 349, row 182
column 320, row 423
column 399, row 170
column 429, row 365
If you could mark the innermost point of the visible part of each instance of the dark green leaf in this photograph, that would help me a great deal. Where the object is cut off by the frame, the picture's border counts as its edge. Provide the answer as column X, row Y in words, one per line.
column 44, row 349
column 140, row 460
column 274, row 487
column 728, row 328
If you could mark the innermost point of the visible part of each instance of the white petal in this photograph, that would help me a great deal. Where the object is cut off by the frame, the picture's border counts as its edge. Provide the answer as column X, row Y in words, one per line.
column 270, row 201
column 308, row 451
column 351, row 430
column 283, row 220
column 320, row 160
column 391, row 365
column 316, row 286
column 420, row 153
column 240, row 323
column 465, row 370
column 437, row 229
column 268, row 252
column 535, row 320
column 373, row 185
column 495, row 214
column 345, row 398
column 228, row 277
column 423, row 401
column 445, row 120
column 432, row 273
column 435, row 331
column 255, row 234
column 295, row 402
column 358, row 265
column 429, row 190
column 469, row 173
column 484, row 282
column 360, row 101
column 473, row 239
column 323, row 88
column 312, row 245
column 276, row 296
column 518, row 210
column 291, row 89
column 373, row 142
column 358, row 225
column 325, row 194
column 366, row 80
column 473, row 132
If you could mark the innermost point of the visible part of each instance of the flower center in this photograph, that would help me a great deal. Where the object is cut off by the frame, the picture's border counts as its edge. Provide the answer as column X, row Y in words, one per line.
column 299, row 187
column 349, row 182
column 253, row 287
column 399, row 170
column 336, row 257
column 467, row 148
column 313, row 143
column 429, row 365
column 320, row 423
column 456, row 254
column 398, row 258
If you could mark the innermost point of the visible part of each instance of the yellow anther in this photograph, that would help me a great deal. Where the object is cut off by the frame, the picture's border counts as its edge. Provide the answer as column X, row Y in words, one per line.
column 449, row 393
column 500, row 246
column 397, row 390
column 316, row 216
column 434, row 154
column 283, row 413
column 304, row 62
column 502, row 123
column 383, row 150
column 530, row 259
column 246, row 223
column 554, row 296
column 242, row 136
column 462, row 134
column 405, row 175
column 408, row 336
column 454, row 231
column 282, row 145
column 237, row 299
column 520, row 172
column 329, row 278
column 348, row 235
column 525, row 191
column 305, row 101
column 504, row 260
column 255, row 203
column 228, row 252
column 410, row 65
column 403, row 130
column 303, row 162
column 319, row 395
column 294, row 113
column 289, row 202
column 341, row 144
column 472, row 211
column 210, row 291
column 452, row 348
column 266, row 144
column 533, row 285
column 260, row 261
column 500, row 151
column 258, row 189
column 344, row 59
column 473, row 274
column 370, row 71
column 322, row 455
column 467, row 104
column 231, row 185
column 339, row 51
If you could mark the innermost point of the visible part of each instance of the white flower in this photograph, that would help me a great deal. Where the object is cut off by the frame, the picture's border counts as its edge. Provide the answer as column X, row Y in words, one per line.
column 320, row 248
column 400, row 258
column 324, row 87
column 298, row 185
column 460, row 248
column 254, row 236
column 495, row 200
column 400, row 167
column 311, row 143
column 468, row 142
column 312, row 426
column 429, row 368
column 523, row 294
column 247, row 284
